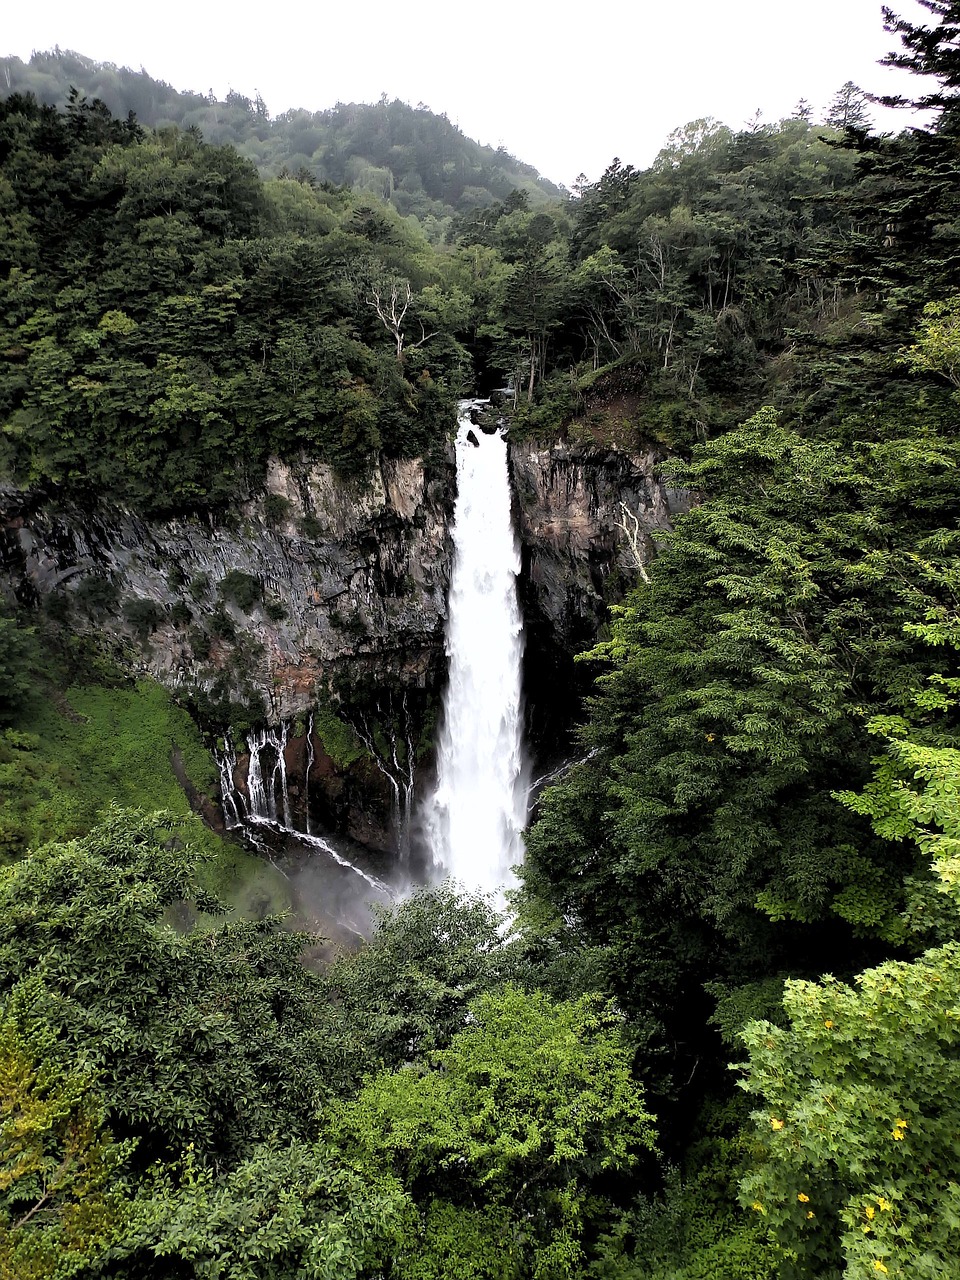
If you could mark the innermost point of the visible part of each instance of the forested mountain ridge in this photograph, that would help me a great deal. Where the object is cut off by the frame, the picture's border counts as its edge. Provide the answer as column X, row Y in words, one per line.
column 169, row 318
column 756, row 857
column 320, row 323
column 410, row 156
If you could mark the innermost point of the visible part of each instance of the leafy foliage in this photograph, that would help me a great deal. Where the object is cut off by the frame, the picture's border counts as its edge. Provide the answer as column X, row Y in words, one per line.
column 530, row 1103
column 293, row 1212
column 692, row 1231
column 209, row 1037
column 59, row 1205
column 408, row 990
column 857, row 1134
column 169, row 320
column 733, row 704
column 928, row 51
column 455, row 1099
column 937, row 348
column 857, row 1155
column 339, row 738
column 18, row 654
column 90, row 747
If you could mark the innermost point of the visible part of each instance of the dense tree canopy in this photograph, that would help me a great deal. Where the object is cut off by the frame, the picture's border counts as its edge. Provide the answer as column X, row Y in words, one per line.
column 169, row 320
column 759, row 846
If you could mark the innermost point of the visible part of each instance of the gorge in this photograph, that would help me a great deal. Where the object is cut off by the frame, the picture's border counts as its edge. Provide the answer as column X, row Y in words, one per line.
column 309, row 627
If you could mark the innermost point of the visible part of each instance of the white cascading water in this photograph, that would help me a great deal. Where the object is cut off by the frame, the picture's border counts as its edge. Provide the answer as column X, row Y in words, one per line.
column 267, row 803
column 269, row 797
column 475, row 818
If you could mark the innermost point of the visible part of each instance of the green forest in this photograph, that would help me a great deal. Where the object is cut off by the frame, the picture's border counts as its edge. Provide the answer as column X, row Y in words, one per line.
column 416, row 160
column 717, row 1034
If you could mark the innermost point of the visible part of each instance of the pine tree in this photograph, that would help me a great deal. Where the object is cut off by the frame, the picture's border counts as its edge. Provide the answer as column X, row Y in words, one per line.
column 848, row 108
column 929, row 51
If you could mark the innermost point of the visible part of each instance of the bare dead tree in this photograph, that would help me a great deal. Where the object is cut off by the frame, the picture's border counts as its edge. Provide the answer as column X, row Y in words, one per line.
column 391, row 301
column 629, row 526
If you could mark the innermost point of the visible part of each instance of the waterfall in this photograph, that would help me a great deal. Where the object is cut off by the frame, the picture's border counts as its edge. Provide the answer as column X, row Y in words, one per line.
column 269, row 797
column 474, row 819
column 311, row 758
column 400, row 769
column 268, row 804
column 231, row 798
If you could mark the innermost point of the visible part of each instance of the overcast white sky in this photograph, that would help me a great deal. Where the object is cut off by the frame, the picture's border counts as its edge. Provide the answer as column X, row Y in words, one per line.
column 565, row 88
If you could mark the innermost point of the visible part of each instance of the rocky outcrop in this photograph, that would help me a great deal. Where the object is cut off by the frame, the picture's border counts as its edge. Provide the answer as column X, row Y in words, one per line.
column 264, row 607
column 585, row 513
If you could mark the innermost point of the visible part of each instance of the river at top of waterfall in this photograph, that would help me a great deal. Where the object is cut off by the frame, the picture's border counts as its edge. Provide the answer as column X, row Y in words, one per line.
column 476, row 814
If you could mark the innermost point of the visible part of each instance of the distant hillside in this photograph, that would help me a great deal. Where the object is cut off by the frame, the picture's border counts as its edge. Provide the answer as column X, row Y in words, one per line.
column 410, row 156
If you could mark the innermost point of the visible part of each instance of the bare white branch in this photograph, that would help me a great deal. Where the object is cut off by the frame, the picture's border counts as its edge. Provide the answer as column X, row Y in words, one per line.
column 629, row 526
column 391, row 302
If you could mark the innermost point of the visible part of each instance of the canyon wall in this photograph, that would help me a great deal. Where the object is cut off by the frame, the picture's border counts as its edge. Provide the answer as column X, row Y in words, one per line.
column 317, row 594
column 262, row 608
column 587, row 516
column 586, row 513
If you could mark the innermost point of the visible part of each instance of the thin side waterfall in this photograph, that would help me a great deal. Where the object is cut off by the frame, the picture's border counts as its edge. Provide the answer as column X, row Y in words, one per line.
column 474, row 819
column 399, row 769
column 311, row 758
column 269, row 797
column 267, row 804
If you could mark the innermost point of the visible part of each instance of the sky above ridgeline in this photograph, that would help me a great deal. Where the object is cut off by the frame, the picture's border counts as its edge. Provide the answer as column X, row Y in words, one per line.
column 563, row 93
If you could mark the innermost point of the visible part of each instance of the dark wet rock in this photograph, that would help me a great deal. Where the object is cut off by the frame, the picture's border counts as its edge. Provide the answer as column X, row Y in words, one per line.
column 341, row 572
column 585, row 513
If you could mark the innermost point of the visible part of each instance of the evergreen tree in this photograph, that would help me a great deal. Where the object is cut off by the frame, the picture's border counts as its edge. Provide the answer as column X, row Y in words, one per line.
column 848, row 108
column 857, row 1162
column 733, row 705
column 929, row 51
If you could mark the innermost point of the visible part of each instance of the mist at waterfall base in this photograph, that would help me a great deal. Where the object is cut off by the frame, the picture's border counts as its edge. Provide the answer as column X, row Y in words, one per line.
column 469, row 827
column 322, row 883
column 474, row 818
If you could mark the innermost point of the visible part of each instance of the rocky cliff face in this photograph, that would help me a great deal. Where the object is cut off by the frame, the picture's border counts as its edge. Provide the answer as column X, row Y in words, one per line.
column 264, row 608
column 586, row 514
column 316, row 594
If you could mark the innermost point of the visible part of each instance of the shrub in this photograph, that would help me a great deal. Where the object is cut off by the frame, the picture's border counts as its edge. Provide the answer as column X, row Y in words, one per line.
column 276, row 509
column 143, row 615
column 242, row 588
